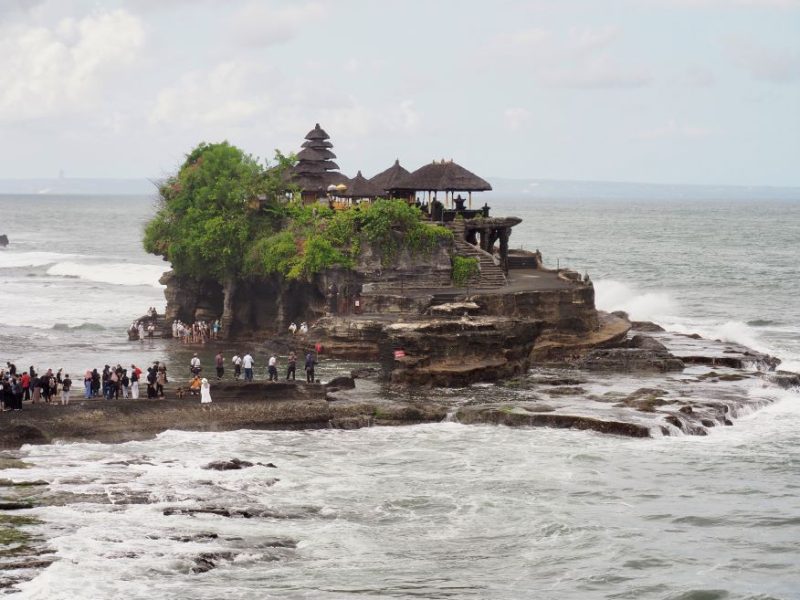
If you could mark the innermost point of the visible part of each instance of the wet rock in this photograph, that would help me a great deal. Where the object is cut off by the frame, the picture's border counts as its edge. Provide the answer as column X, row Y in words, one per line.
column 630, row 360
column 209, row 560
column 647, row 326
column 365, row 373
column 645, row 399
column 15, row 435
column 340, row 383
column 524, row 418
column 571, row 381
column 565, row 391
column 15, row 505
column 228, row 465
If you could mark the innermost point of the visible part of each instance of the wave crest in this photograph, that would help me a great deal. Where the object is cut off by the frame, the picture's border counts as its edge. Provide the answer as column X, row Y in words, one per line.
column 613, row 295
column 112, row 273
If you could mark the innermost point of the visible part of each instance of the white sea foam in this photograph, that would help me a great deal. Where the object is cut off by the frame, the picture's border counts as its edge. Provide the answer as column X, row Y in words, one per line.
column 16, row 260
column 113, row 273
column 613, row 295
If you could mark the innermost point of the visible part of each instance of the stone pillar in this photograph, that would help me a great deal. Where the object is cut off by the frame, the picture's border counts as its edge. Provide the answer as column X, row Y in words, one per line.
column 505, row 233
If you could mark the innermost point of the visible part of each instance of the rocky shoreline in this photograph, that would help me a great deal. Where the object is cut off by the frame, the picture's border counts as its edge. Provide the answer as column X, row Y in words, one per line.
column 647, row 384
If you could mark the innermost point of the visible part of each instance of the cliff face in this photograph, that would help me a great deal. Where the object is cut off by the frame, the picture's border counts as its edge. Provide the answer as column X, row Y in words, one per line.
column 266, row 304
column 271, row 303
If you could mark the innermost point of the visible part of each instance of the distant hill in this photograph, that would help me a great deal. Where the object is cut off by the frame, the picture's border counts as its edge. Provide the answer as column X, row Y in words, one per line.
column 599, row 190
column 77, row 186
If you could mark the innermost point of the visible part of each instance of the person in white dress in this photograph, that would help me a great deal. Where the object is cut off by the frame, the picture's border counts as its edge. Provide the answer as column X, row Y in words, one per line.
column 205, row 392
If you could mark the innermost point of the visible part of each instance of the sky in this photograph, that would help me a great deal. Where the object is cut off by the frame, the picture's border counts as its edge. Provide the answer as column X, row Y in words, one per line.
column 662, row 91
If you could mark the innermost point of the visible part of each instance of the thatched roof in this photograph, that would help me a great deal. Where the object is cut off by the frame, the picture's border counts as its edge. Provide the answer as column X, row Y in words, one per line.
column 315, row 154
column 317, row 182
column 315, row 166
column 386, row 180
column 315, row 170
column 444, row 176
column 318, row 133
column 317, row 144
column 361, row 187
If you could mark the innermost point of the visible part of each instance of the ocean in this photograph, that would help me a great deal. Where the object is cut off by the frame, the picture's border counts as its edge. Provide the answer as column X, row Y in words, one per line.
column 430, row 511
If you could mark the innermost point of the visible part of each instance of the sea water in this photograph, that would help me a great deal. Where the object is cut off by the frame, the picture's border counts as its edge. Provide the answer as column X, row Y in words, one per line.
column 439, row 510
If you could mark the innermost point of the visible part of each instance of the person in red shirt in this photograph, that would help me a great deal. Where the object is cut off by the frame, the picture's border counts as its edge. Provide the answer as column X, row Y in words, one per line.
column 25, row 380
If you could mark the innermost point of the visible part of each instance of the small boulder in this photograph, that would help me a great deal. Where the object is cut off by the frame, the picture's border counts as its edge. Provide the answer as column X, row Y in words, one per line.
column 228, row 465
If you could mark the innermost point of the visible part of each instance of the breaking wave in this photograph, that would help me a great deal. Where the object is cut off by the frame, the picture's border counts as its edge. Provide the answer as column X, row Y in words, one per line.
column 613, row 295
column 16, row 260
column 113, row 273
column 81, row 327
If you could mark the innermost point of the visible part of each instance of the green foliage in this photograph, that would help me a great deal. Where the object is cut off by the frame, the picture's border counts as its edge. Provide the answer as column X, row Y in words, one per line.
column 224, row 215
column 212, row 209
column 315, row 238
column 464, row 269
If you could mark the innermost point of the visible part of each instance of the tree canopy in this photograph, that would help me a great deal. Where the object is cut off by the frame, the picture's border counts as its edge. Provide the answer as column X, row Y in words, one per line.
column 213, row 209
column 225, row 216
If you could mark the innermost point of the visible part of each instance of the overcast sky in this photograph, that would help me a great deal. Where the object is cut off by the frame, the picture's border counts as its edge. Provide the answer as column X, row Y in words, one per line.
column 674, row 91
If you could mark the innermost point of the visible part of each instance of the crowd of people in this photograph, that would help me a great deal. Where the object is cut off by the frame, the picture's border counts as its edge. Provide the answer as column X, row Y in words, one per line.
column 118, row 382
column 244, row 366
column 198, row 332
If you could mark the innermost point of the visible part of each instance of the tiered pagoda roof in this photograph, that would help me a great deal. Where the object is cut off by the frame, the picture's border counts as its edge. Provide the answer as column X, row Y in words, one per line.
column 315, row 169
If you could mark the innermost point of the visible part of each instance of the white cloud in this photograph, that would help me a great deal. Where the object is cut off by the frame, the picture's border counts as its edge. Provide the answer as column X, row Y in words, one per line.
column 51, row 70
column 579, row 58
column 764, row 64
column 515, row 118
column 228, row 94
column 266, row 24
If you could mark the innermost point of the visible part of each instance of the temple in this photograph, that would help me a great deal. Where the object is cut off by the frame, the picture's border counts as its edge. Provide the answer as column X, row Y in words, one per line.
column 438, row 188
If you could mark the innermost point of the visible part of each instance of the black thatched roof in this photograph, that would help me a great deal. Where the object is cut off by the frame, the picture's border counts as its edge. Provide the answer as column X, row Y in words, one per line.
column 318, row 133
column 315, row 170
column 315, row 166
column 444, row 176
column 315, row 154
column 361, row 187
column 317, row 144
column 385, row 180
column 317, row 182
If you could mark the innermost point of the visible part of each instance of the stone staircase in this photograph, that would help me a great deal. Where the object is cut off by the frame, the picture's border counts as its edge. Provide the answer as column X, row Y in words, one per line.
column 491, row 275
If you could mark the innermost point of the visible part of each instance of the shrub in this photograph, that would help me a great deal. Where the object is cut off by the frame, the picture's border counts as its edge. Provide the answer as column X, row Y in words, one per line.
column 464, row 269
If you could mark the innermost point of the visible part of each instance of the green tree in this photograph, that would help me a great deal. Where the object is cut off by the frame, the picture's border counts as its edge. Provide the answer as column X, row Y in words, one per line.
column 210, row 212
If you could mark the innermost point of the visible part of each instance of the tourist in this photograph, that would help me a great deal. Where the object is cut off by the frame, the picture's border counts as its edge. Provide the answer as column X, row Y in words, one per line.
column 194, row 386
column 66, row 385
column 95, row 383
column 152, row 375
column 247, row 363
column 135, row 373
column 125, row 381
column 272, row 368
column 219, row 361
column 205, row 392
column 303, row 328
column 194, row 364
column 291, row 366
column 25, row 382
column 293, row 328
column 161, row 380
column 36, row 383
column 16, row 393
column 237, row 365
column 310, row 362
column 141, row 332
column 87, row 384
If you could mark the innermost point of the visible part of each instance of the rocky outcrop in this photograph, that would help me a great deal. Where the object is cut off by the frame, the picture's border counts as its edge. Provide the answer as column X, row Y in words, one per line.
column 640, row 353
column 446, row 352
